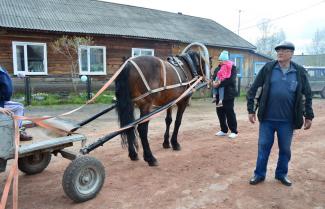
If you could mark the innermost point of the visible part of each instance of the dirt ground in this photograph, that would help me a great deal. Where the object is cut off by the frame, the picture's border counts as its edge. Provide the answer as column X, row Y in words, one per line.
column 209, row 171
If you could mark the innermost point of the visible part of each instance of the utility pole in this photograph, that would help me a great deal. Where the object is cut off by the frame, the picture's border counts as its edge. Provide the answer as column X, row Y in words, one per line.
column 239, row 11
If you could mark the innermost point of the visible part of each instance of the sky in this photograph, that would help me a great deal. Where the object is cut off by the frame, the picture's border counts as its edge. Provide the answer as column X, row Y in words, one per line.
column 299, row 19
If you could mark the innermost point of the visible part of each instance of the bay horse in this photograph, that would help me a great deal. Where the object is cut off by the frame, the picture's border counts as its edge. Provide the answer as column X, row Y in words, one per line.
column 148, row 81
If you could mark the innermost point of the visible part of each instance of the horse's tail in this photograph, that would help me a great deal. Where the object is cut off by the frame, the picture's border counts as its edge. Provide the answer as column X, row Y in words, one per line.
column 124, row 104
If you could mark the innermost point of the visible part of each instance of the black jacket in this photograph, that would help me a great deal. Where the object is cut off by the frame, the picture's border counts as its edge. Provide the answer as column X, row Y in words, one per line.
column 229, row 83
column 303, row 106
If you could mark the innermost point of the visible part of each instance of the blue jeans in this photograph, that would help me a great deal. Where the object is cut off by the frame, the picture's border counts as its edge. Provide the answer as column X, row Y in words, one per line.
column 219, row 91
column 265, row 142
column 17, row 108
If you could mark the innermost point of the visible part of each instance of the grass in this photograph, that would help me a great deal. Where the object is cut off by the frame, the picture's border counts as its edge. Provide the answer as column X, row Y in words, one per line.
column 45, row 99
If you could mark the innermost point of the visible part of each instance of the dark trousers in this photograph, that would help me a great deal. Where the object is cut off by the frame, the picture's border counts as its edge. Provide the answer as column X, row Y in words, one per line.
column 227, row 116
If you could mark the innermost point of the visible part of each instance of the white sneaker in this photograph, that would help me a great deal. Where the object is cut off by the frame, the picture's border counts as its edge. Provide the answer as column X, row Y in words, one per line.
column 220, row 133
column 232, row 135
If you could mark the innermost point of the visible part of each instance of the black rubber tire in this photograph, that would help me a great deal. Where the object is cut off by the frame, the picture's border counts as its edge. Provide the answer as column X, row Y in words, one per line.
column 34, row 164
column 83, row 178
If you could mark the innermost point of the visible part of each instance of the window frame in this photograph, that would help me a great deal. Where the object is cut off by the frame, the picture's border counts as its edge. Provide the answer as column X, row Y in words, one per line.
column 315, row 73
column 142, row 49
column 255, row 67
column 88, row 60
column 240, row 57
column 25, row 44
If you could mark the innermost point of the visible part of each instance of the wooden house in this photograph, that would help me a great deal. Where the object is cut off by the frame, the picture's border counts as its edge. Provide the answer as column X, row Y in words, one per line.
column 29, row 27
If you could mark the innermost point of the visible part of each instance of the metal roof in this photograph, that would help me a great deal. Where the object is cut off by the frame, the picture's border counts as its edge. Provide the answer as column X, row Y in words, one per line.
column 105, row 18
column 264, row 55
column 310, row 60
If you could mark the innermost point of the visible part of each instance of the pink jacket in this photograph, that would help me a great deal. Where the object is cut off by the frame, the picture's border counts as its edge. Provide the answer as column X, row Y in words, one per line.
column 225, row 70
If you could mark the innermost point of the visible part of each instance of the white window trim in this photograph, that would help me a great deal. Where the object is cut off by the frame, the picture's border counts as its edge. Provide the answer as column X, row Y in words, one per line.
column 255, row 67
column 88, row 57
column 133, row 49
column 18, row 43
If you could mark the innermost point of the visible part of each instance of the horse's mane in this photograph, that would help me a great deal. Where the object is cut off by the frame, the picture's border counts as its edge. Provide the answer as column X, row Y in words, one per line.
column 195, row 56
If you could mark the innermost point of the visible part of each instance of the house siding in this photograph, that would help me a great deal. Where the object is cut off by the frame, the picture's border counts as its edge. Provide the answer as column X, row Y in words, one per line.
column 118, row 49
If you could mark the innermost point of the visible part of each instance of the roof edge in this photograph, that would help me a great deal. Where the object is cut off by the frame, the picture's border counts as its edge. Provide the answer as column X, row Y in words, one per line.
column 124, row 36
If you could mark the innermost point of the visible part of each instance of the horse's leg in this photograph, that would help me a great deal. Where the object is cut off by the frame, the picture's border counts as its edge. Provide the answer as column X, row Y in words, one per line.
column 131, row 145
column 168, row 121
column 143, row 132
column 180, row 110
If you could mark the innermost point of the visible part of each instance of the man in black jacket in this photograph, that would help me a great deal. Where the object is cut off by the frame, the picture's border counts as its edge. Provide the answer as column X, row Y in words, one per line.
column 281, row 109
column 226, row 113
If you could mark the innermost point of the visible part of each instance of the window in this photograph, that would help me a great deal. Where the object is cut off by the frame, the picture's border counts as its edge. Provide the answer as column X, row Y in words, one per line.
column 316, row 73
column 92, row 60
column 238, row 59
column 258, row 66
column 311, row 73
column 141, row 52
column 29, row 58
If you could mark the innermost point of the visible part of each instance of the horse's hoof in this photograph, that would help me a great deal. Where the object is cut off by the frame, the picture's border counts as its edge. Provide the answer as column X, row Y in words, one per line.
column 177, row 147
column 166, row 145
column 134, row 158
column 153, row 163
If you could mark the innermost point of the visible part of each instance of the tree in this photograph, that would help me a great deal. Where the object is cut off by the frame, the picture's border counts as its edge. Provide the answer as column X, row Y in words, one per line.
column 318, row 43
column 68, row 47
column 269, row 38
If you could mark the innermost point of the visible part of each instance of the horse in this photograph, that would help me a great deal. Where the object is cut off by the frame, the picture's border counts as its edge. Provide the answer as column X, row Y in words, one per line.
column 148, row 82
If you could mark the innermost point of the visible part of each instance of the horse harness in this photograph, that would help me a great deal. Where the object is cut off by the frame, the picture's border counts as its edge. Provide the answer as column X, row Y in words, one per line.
column 177, row 65
column 176, row 62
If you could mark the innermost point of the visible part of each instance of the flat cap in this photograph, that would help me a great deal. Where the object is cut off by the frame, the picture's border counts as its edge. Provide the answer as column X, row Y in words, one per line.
column 285, row 45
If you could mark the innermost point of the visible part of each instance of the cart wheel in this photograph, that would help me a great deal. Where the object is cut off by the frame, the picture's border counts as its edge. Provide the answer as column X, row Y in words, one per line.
column 83, row 178
column 33, row 164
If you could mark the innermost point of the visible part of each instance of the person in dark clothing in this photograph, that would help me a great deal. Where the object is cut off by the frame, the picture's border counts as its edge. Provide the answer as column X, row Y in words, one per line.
column 281, row 109
column 223, row 73
column 9, row 107
column 226, row 113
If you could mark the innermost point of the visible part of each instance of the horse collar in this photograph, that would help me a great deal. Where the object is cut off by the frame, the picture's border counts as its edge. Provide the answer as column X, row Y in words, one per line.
column 190, row 63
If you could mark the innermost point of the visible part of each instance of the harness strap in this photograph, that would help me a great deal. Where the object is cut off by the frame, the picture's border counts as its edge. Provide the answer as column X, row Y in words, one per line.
column 164, row 88
column 141, row 74
column 178, row 62
column 179, row 77
column 164, row 72
column 184, row 72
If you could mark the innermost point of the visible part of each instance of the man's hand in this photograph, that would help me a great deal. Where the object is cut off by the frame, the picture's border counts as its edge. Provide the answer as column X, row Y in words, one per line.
column 307, row 124
column 6, row 111
column 252, row 118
